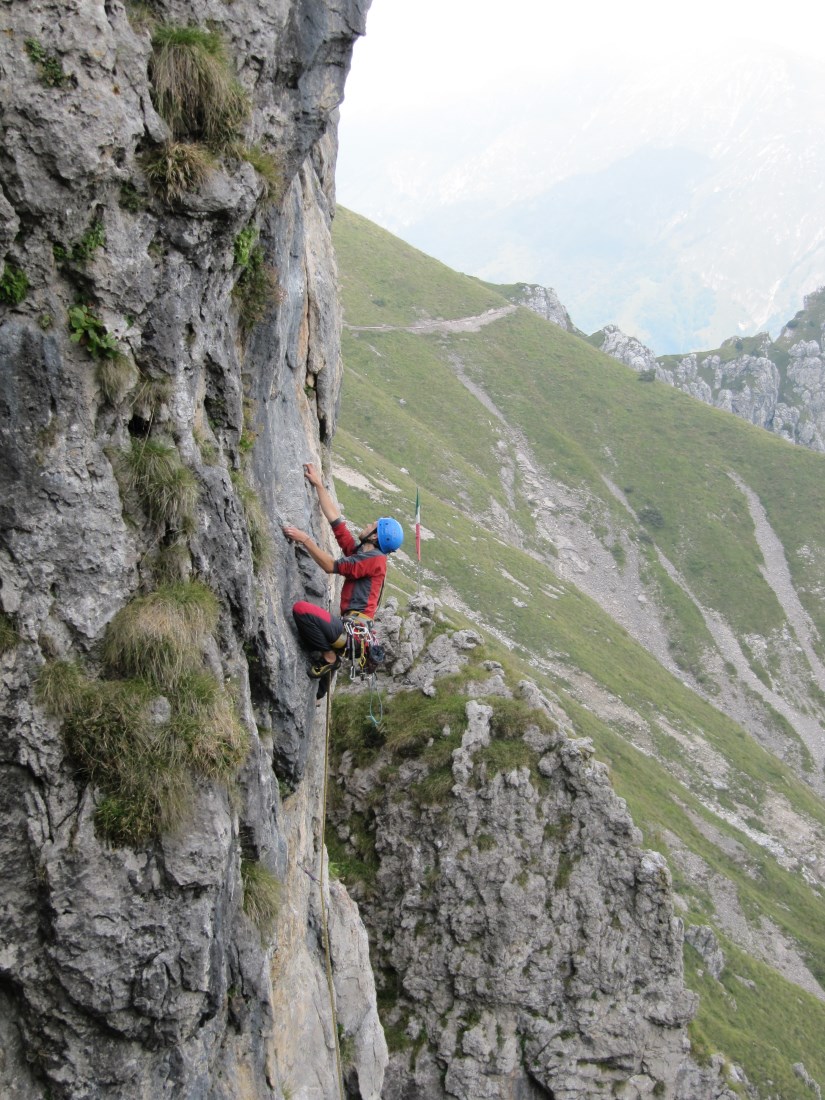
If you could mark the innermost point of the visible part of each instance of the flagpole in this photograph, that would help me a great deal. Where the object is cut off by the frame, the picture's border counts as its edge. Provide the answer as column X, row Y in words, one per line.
column 418, row 536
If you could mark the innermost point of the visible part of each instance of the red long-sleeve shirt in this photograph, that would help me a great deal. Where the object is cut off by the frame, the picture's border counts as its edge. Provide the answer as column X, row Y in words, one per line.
column 363, row 571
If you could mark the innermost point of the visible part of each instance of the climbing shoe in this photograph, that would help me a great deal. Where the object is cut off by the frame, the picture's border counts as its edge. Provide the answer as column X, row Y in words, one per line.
column 322, row 668
column 323, row 688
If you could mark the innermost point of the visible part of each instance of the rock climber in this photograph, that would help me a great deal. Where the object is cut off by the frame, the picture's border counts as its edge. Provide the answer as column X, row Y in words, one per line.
column 363, row 567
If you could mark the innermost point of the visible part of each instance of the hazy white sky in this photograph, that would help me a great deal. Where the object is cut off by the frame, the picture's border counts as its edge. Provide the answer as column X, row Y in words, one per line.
column 461, row 113
column 422, row 52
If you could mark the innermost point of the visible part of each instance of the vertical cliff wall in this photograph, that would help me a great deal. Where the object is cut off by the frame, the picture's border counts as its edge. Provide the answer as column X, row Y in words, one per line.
column 169, row 353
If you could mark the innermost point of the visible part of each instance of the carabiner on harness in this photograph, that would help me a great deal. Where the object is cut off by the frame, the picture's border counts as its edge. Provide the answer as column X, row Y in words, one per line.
column 359, row 640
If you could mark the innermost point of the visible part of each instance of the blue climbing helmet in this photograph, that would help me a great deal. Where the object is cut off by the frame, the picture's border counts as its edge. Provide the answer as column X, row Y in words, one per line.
column 390, row 534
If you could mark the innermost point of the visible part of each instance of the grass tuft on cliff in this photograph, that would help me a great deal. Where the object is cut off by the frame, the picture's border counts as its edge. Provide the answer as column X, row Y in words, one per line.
column 159, row 637
column 194, row 89
column 177, row 167
column 262, row 895
column 160, row 720
column 165, row 488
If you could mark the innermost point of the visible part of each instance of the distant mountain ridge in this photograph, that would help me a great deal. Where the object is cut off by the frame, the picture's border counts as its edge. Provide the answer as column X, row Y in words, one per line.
column 777, row 384
column 685, row 204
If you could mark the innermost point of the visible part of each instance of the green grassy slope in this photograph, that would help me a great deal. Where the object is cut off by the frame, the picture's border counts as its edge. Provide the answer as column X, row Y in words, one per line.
column 408, row 421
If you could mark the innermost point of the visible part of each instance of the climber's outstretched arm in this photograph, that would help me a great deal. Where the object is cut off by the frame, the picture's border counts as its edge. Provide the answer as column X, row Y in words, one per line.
column 328, row 505
column 319, row 556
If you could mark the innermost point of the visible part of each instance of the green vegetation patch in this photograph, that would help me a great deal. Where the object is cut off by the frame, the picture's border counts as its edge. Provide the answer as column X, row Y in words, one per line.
column 14, row 285
column 166, row 489
column 86, row 329
column 244, row 243
column 576, row 412
column 262, row 895
column 158, row 722
column 9, row 637
column 512, row 718
column 430, row 729
column 759, row 1020
column 506, row 756
column 387, row 282
column 83, row 250
column 410, row 721
column 194, row 89
column 689, row 638
column 404, row 402
column 257, row 291
column 116, row 374
column 49, row 65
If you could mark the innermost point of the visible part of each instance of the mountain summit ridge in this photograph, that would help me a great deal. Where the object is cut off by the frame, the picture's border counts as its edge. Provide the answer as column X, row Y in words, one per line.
column 777, row 384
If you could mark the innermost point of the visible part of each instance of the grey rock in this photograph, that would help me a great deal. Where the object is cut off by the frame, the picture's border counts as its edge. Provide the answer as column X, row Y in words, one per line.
column 789, row 401
column 704, row 940
column 445, row 655
column 627, row 349
column 544, row 301
column 404, row 637
column 708, row 1082
column 476, row 736
column 526, row 944
column 355, row 994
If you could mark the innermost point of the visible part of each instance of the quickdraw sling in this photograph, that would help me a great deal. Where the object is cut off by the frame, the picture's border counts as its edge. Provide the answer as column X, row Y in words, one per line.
column 365, row 654
column 360, row 645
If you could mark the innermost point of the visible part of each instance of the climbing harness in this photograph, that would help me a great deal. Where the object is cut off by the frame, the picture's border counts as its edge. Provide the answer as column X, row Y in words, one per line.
column 365, row 654
column 324, row 922
column 360, row 647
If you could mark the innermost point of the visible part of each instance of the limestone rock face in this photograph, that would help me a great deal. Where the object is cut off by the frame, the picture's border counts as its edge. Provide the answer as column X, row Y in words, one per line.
column 526, row 945
column 627, row 349
column 546, row 302
column 781, row 389
column 134, row 970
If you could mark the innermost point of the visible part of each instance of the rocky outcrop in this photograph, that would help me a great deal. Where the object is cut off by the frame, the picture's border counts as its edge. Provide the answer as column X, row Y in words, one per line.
column 627, row 349
column 145, row 963
column 544, row 301
column 525, row 944
column 779, row 386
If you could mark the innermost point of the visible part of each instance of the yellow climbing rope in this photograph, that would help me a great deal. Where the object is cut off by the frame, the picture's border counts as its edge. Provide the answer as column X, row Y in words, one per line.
column 324, row 924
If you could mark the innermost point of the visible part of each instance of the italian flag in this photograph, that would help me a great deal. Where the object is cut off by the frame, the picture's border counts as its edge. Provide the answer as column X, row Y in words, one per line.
column 417, row 526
